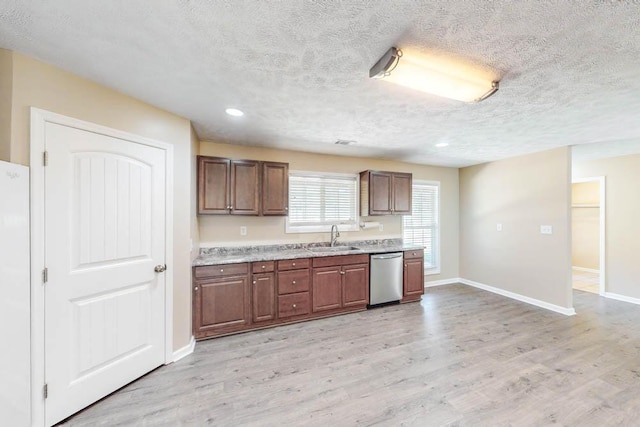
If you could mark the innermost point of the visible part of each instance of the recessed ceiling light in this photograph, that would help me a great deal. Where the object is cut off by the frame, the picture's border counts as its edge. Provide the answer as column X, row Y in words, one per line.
column 234, row 112
column 442, row 144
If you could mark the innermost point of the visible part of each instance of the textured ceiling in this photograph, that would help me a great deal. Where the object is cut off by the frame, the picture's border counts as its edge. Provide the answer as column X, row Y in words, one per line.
column 299, row 69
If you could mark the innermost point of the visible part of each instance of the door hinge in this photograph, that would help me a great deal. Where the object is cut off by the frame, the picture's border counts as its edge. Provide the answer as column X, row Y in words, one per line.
column 45, row 275
column 45, row 390
column 45, row 158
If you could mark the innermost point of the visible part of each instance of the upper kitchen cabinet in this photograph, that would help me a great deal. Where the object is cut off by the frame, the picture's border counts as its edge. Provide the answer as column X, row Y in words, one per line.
column 275, row 188
column 385, row 193
column 242, row 187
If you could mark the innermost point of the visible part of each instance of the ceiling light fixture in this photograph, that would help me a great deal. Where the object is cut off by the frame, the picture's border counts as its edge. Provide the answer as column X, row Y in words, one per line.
column 442, row 144
column 410, row 71
column 234, row 112
column 345, row 142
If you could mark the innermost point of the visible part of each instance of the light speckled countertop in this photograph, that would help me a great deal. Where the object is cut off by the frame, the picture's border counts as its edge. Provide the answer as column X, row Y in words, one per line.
column 217, row 256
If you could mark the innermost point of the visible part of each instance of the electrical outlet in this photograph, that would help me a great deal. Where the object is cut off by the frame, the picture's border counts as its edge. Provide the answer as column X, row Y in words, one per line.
column 546, row 229
column 243, row 230
column 499, row 227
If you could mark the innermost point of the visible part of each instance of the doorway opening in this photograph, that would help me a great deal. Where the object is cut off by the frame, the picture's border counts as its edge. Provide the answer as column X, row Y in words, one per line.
column 588, row 234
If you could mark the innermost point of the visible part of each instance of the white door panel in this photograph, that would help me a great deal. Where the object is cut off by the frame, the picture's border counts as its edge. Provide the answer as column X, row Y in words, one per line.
column 104, row 233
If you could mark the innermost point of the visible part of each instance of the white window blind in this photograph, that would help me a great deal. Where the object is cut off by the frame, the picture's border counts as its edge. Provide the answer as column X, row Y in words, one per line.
column 319, row 200
column 422, row 227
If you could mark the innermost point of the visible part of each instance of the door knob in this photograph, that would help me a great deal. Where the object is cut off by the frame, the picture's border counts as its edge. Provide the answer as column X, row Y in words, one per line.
column 160, row 268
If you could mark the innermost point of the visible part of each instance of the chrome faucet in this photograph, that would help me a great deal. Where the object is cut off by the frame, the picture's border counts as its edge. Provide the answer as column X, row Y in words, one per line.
column 334, row 237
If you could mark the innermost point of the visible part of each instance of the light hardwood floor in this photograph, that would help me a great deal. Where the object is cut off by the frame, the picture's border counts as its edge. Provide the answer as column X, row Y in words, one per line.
column 586, row 281
column 461, row 357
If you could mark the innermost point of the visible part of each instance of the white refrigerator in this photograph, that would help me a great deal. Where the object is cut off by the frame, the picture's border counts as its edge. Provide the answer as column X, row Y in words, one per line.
column 15, row 356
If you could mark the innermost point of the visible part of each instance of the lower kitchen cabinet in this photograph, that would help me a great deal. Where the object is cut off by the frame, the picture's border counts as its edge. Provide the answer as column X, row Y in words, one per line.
column 292, row 305
column 238, row 297
column 340, row 282
column 413, row 275
column 327, row 288
column 221, row 305
column 355, row 286
column 264, row 297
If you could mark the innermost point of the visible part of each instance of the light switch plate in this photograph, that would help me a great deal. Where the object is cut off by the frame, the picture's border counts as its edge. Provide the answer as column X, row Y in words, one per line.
column 499, row 227
column 546, row 229
column 243, row 230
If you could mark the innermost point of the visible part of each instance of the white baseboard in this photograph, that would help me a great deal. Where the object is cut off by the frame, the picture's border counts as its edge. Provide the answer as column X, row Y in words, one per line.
column 585, row 269
column 624, row 298
column 433, row 283
column 528, row 300
column 185, row 351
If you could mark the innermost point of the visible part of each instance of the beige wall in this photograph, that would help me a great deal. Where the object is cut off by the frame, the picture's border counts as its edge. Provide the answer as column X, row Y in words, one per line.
column 585, row 225
column 6, row 81
column 49, row 88
column 521, row 193
column 622, row 174
column 225, row 230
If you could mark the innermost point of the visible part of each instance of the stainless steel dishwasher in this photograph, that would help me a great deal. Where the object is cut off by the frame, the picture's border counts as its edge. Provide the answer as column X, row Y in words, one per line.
column 385, row 278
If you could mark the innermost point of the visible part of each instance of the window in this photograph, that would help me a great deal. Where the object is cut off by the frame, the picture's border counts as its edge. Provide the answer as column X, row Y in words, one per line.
column 422, row 227
column 317, row 200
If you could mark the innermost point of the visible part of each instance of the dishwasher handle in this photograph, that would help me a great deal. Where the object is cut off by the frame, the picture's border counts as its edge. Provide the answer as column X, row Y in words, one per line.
column 387, row 256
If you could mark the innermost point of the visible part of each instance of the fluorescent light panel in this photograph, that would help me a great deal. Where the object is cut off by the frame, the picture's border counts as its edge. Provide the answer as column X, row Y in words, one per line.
column 412, row 72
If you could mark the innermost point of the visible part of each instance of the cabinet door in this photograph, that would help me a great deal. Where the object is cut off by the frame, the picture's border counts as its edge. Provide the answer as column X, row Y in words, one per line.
column 401, row 193
column 221, row 305
column 213, row 185
column 245, row 179
column 275, row 188
column 413, row 276
column 327, row 284
column 264, row 297
column 379, row 193
column 355, row 285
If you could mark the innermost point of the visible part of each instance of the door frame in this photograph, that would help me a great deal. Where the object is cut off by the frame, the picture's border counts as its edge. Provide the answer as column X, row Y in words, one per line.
column 602, row 232
column 39, row 118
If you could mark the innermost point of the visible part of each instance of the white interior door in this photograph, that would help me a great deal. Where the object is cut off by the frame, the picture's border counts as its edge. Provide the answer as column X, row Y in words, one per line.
column 104, row 234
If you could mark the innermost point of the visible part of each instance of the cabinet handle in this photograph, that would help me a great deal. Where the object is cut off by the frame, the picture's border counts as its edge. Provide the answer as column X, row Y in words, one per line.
column 294, row 306
column 286, row 209
column 342, row 272
column 221, row 270
column 230, row 207
column 414, row 254
column 293, row 282
column 254, row 282
column 405, row 265
column 293, row 264
column 195, row 289
column 264, row 266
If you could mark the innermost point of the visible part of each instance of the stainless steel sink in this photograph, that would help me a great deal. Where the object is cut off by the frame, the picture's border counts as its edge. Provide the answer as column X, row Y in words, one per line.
column 335, row 249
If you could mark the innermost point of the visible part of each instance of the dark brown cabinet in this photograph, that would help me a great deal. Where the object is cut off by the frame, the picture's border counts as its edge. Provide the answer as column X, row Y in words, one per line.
column 245, row 178
column 238, row 297
column 264, row 297
column 275, row 188
column 413, row 275
column 242, row 187
column 385, row 193
column 221, row 299
column 340, row 282
column 294, row 297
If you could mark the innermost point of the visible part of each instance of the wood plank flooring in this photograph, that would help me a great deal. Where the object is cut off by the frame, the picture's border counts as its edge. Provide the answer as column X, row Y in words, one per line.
column 461, row 357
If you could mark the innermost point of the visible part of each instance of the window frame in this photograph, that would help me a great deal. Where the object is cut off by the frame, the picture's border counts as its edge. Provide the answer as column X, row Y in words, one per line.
column 428, row 270
column 326, row 227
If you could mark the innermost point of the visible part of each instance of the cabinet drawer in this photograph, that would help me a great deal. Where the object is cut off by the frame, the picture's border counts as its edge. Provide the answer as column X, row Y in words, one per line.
column 263, row 266
column 340, row 260
column 222, row 270
column 293, row 264
column 419, row 253
column 293, row 281
column 294, row 304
